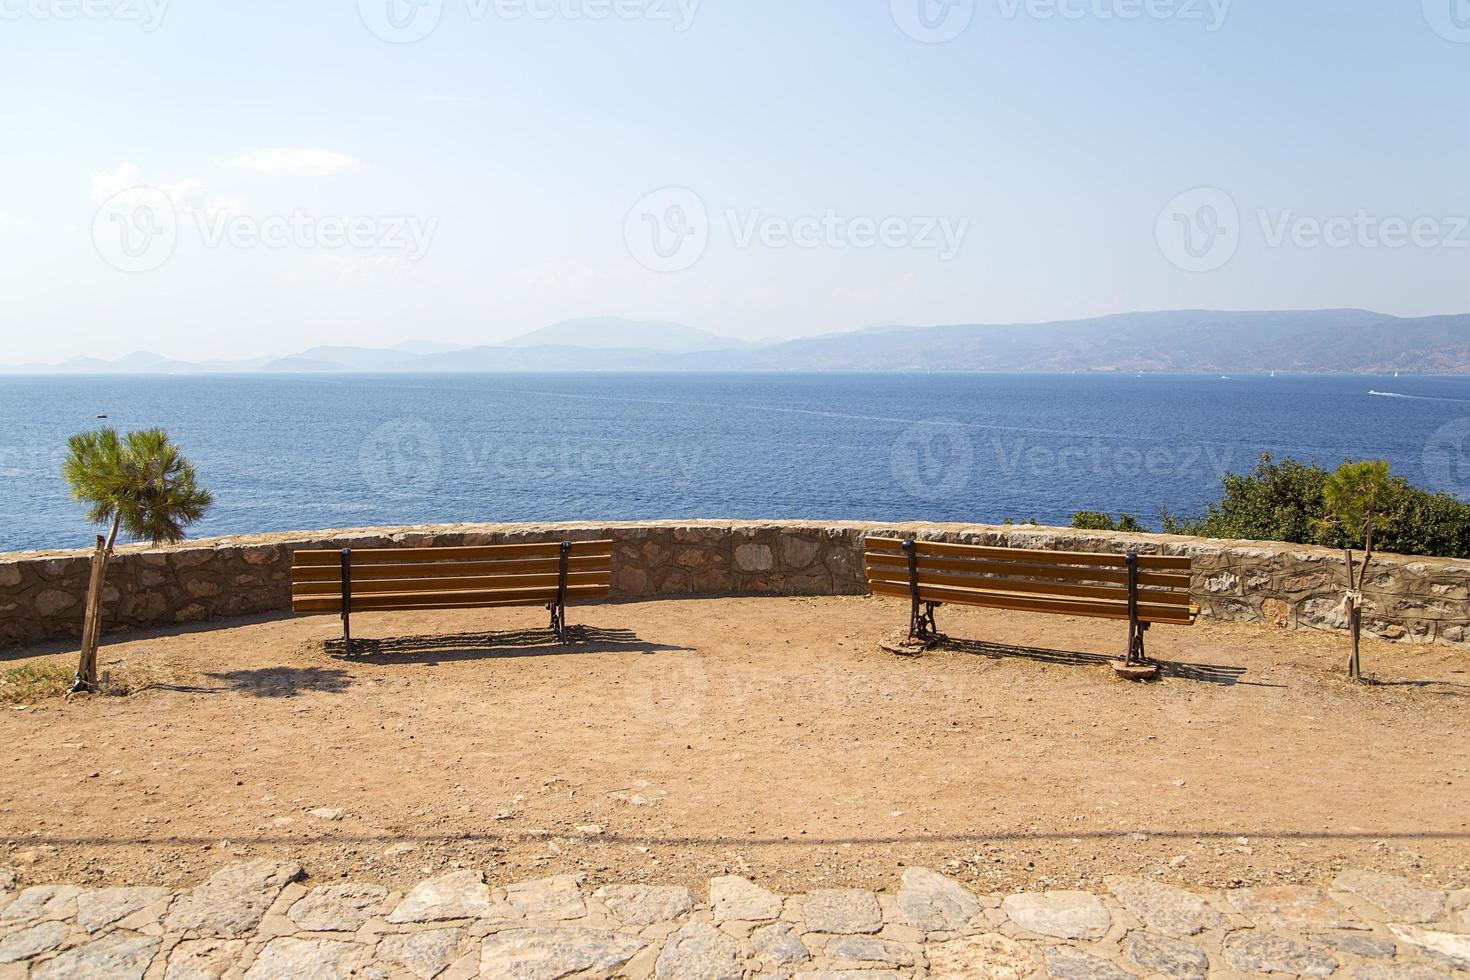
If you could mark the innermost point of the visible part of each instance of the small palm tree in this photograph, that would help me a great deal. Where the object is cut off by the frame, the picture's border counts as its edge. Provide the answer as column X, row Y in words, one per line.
column 1354, row 497
column 140, row 484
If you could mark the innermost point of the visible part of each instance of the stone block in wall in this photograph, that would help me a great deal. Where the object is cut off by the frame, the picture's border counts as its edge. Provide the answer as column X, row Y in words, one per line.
column 53, row 602
column 655, row 553
column 754, row 556
column 632, row 582
column 798, row 552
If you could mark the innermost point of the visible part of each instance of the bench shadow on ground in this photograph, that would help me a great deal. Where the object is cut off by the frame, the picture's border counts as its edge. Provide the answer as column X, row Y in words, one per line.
column 271, row 682
column 1222, row 674
column 487, row 645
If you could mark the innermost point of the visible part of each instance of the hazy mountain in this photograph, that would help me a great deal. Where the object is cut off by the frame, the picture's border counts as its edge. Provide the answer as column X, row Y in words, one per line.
column 425, row 347
column 616, row 333
column 1188, row 341
column 1184, row 341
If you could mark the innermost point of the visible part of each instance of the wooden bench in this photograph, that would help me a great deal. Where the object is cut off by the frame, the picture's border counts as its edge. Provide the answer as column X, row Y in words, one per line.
column 396, row 579
column 1142, row 589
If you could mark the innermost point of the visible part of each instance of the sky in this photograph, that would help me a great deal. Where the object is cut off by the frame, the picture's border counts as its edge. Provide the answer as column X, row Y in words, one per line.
column 228, row 180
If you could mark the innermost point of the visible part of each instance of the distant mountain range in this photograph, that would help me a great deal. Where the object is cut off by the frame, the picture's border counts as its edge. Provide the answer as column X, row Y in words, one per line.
column 1184, row 341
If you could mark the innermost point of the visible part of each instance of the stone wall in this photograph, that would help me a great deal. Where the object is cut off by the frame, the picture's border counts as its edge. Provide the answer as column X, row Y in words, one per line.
column 42, row 594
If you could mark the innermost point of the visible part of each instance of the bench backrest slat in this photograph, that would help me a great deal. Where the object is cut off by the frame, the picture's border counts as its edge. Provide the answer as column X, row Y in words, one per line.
column 940, row 549
column 1063, row 582
column 489, row 552
column 385, row 579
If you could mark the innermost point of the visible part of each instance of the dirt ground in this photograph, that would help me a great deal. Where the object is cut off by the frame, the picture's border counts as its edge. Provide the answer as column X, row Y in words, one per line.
column 765, row 737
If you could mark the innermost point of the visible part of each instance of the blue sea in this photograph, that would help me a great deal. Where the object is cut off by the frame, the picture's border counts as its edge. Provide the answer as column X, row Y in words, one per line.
column 309, row 452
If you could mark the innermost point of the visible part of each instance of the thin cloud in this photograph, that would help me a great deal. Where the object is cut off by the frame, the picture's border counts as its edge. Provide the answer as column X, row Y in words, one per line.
column 294, row 162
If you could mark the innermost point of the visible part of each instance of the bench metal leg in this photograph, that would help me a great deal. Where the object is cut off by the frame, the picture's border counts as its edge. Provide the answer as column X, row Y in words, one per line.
column 921, row 614
column 1137, row 656
column 347, row 600
column 558, row 606
column 921, row 623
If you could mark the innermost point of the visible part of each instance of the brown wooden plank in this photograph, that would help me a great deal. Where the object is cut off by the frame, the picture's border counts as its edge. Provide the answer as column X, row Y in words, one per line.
column 528, row 566
column 457, row 583
column 446, row 600
column 489, row 552
column 1096, row 608
column 885, row 561
column 1059, row 589
column 943, row 549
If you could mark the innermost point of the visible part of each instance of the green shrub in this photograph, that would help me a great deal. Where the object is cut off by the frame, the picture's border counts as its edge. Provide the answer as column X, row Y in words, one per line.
column 1285, row 501
column 1091, row 520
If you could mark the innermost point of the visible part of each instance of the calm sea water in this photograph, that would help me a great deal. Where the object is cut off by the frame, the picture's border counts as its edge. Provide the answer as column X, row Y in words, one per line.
column 317, row 452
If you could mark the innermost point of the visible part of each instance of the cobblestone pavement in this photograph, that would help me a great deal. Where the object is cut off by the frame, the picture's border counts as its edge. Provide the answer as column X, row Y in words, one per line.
column 261, row 920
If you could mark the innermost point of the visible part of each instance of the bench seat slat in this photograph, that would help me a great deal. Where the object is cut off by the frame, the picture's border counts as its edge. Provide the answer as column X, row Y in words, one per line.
column 450, row 599
column 1096, row 608
column 884, row 563
column 1059, row 589
column 457, row 583
column 942, row 549
column 494, row 552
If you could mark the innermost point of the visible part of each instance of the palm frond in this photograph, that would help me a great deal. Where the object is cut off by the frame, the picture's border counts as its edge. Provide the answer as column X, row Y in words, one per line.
column 142, row 480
